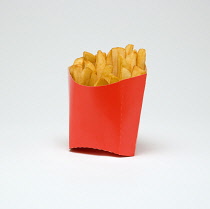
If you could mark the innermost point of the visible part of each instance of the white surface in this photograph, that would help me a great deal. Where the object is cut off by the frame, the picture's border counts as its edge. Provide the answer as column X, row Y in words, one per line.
column 39, row 40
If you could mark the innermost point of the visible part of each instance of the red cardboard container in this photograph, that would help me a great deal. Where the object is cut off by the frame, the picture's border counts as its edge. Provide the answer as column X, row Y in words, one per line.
column 106, row 117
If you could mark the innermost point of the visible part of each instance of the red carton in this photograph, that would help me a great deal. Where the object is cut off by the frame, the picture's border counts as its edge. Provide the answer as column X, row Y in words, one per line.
column 106, row 117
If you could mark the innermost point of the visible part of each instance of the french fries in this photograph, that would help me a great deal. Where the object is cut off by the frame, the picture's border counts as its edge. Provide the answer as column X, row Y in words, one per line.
column 104, row 69
column 88, row 56
column 141, row 58
column 79, row 61
column 100, row 63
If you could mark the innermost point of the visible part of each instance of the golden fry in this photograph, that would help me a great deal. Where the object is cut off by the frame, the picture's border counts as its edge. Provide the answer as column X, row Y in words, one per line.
column 128, row 49
column 108, row 69
column 141, row 58
column 100, row 63
column 93, row 79
column 114, row 79
column 110, row 78
column 90, row 65
column 109, row 58
column 124, row 74
column 103, row 69
column 85, row 76
column 101, row 82
column 121, row 51
column 90, row 57
column 137, row 71
column 107, row 72
column 79, row 61
column 116, row 52
column 114, row 60
column 122, row 63
column 131, row 60
column 76, row 71
column 107, row 77
column 104, row 53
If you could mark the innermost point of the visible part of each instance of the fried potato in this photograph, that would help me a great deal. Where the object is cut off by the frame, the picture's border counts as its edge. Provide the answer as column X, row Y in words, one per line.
column 103, row 69
column 122, row 63
column 107, row 72
column 107, row 77
column 101, row 82
column 90, row 65
column 93, row 79
column 131, row 60
column 110, row 78
column 85, row 76
column 108, row 69
column 128, row 49
column 121, row 51
column 79, row 61
column 116, row 52
column 100, row 63
column 137, row 71
column 114, row 79
column 90, row 57
column 124, row 74
column 141, row 58
column 76, row 71
column 109, row 58
column 114, row 60
column 123, row 67
column 104, row 53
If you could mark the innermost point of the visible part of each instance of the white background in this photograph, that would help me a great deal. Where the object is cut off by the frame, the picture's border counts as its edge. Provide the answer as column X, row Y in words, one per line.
column 39, row 40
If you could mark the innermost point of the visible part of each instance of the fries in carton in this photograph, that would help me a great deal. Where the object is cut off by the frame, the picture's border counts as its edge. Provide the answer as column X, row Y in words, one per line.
column 106, row 94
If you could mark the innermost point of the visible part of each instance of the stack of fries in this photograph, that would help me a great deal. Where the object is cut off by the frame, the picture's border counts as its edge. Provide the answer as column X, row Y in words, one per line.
column 103, row 69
